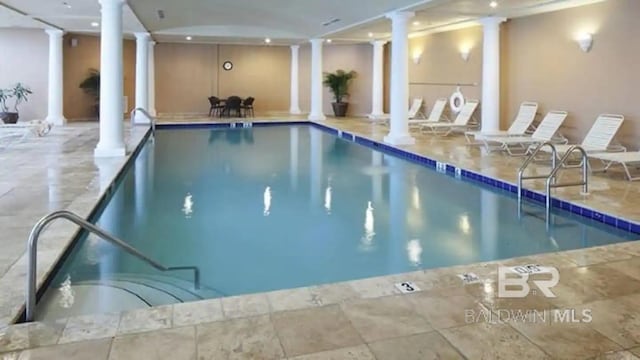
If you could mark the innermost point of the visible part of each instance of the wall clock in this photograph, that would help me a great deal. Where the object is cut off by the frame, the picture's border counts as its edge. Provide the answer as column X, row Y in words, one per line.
column 227, row 65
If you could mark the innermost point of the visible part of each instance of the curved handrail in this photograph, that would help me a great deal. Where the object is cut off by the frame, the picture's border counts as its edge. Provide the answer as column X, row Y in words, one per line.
column 554, row 155
column 152, row 119
column 32, row 246
column 585, row 175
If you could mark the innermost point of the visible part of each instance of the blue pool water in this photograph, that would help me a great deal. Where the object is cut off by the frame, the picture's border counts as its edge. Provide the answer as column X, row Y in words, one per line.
column 279, row 207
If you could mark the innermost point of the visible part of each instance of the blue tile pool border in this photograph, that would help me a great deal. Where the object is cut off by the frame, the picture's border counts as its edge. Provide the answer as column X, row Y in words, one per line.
column 441, row 167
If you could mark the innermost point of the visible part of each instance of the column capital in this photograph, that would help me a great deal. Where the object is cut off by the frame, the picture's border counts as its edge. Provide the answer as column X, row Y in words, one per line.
column 295, row 47
column 142, row 36
column 492, row 21
column 316, row 41
column 378, row 42
column 400, row 15
column 152, row 43
column 54, row 32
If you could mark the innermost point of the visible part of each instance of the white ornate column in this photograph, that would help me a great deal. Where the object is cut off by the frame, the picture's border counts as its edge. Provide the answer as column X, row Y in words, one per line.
column 399, row 120
column 142, row 76
column 152, row 78
column 295, row 97
column 316, row 113
column 111, row 81
column 377, row 86
column 55, row 101
column 491, row 74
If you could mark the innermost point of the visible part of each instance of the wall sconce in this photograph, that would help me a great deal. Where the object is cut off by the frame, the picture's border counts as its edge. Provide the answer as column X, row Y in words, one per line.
column 416, row 57
column 464, row 54
column 585, row 41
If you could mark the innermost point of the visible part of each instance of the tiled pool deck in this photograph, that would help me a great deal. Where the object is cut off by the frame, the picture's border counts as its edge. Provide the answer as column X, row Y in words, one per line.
column 363, row 319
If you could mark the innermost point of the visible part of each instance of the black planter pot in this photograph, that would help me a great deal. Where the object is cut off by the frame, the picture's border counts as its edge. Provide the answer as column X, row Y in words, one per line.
column 9, row 117
column 340, row 109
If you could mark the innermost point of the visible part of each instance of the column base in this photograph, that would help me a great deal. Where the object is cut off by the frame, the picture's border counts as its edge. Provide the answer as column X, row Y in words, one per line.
column 378, row 116
column 153, row 112
column 103, row 152
column 56, row 120
column 142, row 119
column 399, row 139
column 295, row 111
column 317, row 117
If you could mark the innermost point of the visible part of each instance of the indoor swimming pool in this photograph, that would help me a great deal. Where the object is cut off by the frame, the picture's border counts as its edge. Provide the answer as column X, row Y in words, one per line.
column 266, row 208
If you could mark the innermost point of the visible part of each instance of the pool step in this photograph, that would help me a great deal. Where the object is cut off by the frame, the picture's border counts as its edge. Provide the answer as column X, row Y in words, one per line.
column 124, row 291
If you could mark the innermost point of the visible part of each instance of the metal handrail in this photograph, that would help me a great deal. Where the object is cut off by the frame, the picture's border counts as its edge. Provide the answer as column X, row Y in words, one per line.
column 152, row 119
column 33, row 244
column 554, row 155
column 585, row 176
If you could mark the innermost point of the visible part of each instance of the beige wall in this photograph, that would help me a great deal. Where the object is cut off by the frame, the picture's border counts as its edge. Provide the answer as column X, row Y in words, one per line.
column 346, row 57
column 24, row 55
column 187, row 74
column 77, row 62
column 441, row 66
column 542, row 62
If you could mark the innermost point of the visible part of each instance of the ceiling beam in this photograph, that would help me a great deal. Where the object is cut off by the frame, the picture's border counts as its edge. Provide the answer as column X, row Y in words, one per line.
column 22, row 13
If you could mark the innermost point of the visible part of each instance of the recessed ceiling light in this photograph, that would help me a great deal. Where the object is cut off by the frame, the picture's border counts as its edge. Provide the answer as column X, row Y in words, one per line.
column 329, row 41
column 189, row 38
column 370, row 34
column 416, row 23
column 267, row 40
column 95, row 24
column 493, row 4
column 66, row 4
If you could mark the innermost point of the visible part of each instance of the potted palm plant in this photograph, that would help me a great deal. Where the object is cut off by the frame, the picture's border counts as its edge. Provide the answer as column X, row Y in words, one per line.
column 91, row 86
column 338, row 82
column 21, row 94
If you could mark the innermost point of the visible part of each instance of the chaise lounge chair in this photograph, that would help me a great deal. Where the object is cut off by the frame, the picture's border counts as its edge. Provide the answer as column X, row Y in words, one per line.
column 436, row 114
column 625, row 159
column 461, row 123
column 520, row 145
column 600, row 136
column 524, row 118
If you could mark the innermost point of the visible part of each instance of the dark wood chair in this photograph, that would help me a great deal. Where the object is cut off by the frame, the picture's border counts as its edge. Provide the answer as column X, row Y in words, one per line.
column 247, row 106
column 233, row 105
column 216, row 106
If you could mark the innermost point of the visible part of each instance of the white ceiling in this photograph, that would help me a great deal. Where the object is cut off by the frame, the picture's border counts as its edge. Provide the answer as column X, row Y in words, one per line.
column 284, row 21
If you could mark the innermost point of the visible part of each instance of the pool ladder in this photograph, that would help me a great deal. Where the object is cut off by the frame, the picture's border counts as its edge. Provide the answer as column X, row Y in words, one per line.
column 551, row 177
column 152, row 120
column 32, row 245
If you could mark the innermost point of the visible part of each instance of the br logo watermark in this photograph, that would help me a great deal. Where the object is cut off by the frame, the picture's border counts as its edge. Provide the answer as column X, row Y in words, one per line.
column 513, row 281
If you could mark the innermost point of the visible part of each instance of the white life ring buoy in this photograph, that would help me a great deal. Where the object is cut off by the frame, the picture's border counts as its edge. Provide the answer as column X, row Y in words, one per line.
column 456, row 101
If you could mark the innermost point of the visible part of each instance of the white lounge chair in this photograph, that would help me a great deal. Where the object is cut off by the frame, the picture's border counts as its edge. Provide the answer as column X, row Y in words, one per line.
column 461, row 122
column 625, row 159
column 600, row 136
column 524, row 118
column 415, row 111
column 436, row 114
column 520, row 145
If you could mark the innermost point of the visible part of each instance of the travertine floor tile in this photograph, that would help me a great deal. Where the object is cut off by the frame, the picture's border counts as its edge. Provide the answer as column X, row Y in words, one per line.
column 428, row 346
column 245, row 305
column 618, row 319
column 492, row 341
column 361, row 352
column 197, row 312
column 314, row 330
column 444, row 311
column 84, row 350
column 169, row 344
column 141, row 320
column 90, row 327
column 28, row 335
column 246, row 338
column 383, row 318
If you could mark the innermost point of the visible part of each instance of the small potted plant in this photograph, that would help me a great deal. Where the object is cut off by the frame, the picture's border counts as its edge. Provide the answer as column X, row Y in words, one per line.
column 91, row 86
column 338, row 83
column 21, row 94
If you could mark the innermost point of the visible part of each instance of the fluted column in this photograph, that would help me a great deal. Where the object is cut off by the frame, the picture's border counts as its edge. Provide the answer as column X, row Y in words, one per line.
column 111, row 81
column 377, row 87
column 142, row 76
column 294, row 109
column 152, row 78
column 316, row 113
column 55, row 98
column 491, row 74
column 399, row 121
